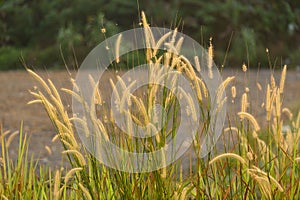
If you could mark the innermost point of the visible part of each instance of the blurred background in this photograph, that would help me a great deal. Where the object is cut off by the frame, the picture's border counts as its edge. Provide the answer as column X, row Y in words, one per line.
column 41, row 30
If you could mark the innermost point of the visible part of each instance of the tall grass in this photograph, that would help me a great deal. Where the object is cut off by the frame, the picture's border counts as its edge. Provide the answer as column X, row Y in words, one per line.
column 263, row 162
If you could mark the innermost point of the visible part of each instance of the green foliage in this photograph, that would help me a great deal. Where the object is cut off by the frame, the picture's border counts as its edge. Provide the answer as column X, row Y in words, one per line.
column 264, row 23
column 68, row 36
column 9, row 58
column 295, row 58
column 43, row 24
column 98, row 28
column 20, row 179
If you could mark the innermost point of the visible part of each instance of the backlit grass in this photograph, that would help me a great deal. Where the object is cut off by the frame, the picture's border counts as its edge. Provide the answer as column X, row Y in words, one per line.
column 262, row 163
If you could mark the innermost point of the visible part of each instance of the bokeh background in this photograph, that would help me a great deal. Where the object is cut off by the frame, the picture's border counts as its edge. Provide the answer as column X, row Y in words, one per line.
column 41, row 30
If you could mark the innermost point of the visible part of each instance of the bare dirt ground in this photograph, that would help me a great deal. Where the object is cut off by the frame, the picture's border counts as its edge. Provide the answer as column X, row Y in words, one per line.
column 14, row 95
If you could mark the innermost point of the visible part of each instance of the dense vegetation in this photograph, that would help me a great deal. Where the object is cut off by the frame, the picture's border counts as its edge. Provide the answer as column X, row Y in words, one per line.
column 39, row 29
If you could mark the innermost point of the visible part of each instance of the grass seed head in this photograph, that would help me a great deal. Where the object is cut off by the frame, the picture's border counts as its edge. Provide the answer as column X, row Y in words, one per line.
column 71, row 173
column 288, row 113
column 259, row 86
column 250, row 117
column 233, row 92
column 210, row 59
column 282, row 80
column 244, row 103
column 244, row 67
column 228, row 155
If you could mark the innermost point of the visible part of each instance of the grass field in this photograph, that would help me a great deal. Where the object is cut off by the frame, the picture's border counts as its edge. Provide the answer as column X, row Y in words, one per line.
column 257, row 157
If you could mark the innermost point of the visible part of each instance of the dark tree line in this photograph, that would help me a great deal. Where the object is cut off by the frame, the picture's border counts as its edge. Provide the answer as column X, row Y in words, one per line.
column 39, row 28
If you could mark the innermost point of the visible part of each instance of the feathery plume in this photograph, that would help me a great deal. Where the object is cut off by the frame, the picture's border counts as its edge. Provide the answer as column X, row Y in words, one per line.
column 247, row 90
column 77, row 154
column 277, row 103
column 40, row 80
column 228, row 155
column 56, row 185
column 85, row 192
column 71, row 173
column 48, row 149
column 244, row 102
column 150, row 41
column 233, row 92
column 178, row 45
column 222, row 87
column 244, row 67
column 118, row 43
column 288, row 113
column 256, row 170
column 210, row 59
column 160, row 42
column 197, row 63
column 259, row 86
column 273, row 82
column 282, row 80
column 250, row 117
